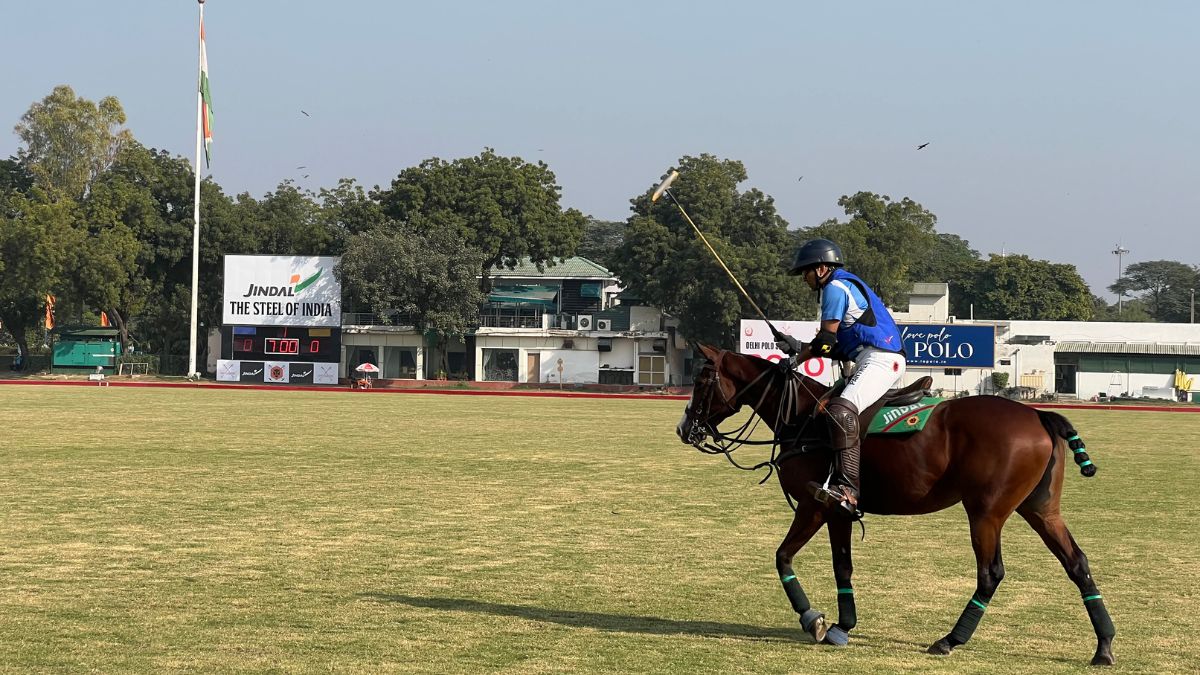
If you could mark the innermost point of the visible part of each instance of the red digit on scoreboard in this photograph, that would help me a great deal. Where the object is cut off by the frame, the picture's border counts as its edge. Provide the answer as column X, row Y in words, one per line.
column 314, row 347
column 247, row 344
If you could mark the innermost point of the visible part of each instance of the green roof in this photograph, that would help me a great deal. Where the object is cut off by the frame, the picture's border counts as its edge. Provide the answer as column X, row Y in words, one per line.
column 569, row 268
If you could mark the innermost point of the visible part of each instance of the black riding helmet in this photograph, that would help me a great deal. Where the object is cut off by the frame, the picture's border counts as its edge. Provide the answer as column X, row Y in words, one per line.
column 815, row 252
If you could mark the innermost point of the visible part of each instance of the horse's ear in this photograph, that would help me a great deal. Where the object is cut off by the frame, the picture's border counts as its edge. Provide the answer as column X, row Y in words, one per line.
column 710, row 352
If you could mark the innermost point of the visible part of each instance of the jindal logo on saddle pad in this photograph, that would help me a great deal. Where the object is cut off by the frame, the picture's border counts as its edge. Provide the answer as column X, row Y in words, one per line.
column 255, row 296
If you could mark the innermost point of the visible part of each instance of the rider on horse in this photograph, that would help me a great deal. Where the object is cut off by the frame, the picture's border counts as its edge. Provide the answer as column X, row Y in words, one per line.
column 855, row 326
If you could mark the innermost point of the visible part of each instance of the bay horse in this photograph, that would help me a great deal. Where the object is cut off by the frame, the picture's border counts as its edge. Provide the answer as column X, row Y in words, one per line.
column 994, row 455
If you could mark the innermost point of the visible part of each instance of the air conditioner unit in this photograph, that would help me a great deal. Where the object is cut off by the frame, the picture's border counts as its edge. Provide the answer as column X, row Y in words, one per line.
column 603, row 324
column 584, row 322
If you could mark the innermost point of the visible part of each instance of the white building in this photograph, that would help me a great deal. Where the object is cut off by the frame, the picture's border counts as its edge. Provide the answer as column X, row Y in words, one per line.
column 564, row 324
column 1071, row 358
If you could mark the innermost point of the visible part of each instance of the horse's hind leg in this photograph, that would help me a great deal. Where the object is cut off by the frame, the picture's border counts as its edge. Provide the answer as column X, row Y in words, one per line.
column 1053, row 531
column 840, row 531
column 804, row 525
column 985, row 539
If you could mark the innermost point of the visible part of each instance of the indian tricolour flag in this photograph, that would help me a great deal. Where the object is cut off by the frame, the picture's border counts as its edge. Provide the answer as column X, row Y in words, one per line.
column 206, row 96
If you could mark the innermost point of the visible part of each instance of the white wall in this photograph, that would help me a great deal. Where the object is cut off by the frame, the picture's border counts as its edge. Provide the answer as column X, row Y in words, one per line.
column 623, row 354
column 579, row 367
column 1115, row 384
column 645, row 319
column 1107, row 331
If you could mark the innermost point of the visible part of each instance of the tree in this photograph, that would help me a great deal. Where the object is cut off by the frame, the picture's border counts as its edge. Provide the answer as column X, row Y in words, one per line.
column 288, row 222
column 1017, row 287
column 134, row 233
column 503, row 207
column 1132, row 311
column 666, row 265
column 347, row 210
column 1164, row 287
column 881, row 241
column 35, row 241
column 422, row 269
column 951, row 261
column 14, row 176
column 601, row 239
column 69, row 141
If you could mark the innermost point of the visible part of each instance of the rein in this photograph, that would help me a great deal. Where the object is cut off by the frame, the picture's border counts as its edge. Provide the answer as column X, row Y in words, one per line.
column 727, row 442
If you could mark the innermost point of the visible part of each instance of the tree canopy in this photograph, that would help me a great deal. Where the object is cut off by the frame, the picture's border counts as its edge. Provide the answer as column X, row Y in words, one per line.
column 664, row 262
column 418, row 269
column 503, row 207
column 69, row 141
column 1163, row 286
column 882, row 241
column 1018, row 287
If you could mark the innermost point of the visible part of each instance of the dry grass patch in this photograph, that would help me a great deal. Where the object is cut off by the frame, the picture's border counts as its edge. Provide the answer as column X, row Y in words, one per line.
column 184, row 530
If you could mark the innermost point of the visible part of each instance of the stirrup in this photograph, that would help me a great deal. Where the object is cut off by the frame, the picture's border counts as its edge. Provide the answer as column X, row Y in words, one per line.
column 835, row 499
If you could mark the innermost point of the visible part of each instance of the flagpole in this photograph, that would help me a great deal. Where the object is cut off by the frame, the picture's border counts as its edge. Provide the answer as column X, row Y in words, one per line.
column 192, row 372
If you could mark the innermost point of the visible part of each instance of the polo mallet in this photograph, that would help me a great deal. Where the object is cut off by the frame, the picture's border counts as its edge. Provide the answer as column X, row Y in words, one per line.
column 665, row 189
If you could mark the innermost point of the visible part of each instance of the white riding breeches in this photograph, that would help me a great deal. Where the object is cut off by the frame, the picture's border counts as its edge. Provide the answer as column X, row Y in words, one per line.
column 875, row 372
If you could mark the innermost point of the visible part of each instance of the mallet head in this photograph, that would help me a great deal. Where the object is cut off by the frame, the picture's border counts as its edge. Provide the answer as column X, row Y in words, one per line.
column 663, row 187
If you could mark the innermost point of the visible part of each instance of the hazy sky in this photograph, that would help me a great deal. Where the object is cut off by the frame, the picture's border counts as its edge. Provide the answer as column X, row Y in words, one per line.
column 1055, row 129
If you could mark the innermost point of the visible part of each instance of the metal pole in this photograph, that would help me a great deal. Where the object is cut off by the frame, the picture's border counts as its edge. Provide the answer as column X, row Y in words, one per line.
column 191, row 371
column 1193, row 305
column 1120, row 252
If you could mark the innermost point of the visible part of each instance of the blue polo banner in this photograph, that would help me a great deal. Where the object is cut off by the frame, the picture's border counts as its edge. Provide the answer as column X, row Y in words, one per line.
column 949, row 345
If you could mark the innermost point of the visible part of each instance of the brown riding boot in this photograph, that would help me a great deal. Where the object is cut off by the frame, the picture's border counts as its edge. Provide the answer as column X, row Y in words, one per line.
column 843, row 422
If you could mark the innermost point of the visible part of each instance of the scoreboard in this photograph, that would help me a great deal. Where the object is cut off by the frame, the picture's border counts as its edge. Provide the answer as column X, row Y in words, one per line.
column 282, row 320
column 283, row 343
column 280, row 354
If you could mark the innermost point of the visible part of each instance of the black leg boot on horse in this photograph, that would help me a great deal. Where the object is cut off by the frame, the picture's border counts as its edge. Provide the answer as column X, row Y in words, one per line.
column 842, row 494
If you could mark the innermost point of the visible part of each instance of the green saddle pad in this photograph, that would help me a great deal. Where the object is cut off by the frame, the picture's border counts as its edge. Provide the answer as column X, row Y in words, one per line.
column 903, row 419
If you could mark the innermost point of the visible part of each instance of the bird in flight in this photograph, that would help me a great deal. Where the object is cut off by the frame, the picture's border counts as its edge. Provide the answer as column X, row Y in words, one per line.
column 800, row 179
column 306, row 114
column 302, row 166
column 921, row 146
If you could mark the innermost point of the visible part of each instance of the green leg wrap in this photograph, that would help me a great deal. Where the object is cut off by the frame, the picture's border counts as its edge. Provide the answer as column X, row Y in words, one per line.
column 968, row 622
column 1101, row 622
column 847, row 614
column 795, row 593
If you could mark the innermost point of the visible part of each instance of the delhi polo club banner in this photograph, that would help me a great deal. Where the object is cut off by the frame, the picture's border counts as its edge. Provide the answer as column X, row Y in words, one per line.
column 280, row 290
column 755, row 339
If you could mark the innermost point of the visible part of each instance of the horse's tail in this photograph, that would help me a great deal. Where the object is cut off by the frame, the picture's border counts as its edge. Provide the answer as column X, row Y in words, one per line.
column 1058, row 427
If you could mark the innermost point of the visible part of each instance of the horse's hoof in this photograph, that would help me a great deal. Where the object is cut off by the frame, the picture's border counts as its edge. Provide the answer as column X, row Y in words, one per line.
column 813, row 622
column 837, row 636
column 1103, row 659
column 941, row 648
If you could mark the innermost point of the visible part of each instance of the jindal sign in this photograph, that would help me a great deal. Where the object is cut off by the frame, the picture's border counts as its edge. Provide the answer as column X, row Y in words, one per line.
column 268, row 290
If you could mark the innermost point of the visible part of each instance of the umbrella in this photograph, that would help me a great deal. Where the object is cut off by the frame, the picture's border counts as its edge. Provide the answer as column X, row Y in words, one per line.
column 367, row 368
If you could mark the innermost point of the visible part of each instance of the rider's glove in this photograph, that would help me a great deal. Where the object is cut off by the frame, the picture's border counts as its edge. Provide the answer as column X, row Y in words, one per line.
column 787, row 344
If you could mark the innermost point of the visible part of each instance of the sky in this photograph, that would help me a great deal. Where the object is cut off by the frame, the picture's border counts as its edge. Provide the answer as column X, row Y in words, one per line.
column 1055, row 129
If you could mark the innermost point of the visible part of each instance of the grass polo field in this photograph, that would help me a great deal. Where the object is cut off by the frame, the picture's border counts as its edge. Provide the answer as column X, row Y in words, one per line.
column 162, row 530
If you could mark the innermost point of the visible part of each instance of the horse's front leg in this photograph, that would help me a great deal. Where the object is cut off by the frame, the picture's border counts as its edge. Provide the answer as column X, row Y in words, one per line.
column 840, row 531
column 804, row 525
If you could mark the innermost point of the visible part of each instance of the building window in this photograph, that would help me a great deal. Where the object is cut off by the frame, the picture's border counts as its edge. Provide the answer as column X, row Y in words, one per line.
column 500, row 365
column 652, row 370
column 400, row 363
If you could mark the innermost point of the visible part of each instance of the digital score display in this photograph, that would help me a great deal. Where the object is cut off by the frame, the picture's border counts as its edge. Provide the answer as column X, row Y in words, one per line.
column 285, row 343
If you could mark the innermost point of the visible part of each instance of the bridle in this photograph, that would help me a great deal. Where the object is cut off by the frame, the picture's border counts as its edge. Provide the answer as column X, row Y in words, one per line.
column 791, row 384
